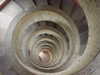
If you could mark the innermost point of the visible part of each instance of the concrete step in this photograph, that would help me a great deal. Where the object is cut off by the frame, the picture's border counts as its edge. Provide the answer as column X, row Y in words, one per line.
column 84, row 38
column 11, row 71
column 33, row 26
column 67, row 5
column 5, row 20
column 40, row 2
column 5, row 64
column 48, row 23
column 55, row 3
column 78, row 14
column 42, row 24
column 70, row 7
column 11, row 9
column 82, row 49
column 25, row 4
column 83, row 26
column 97, row 71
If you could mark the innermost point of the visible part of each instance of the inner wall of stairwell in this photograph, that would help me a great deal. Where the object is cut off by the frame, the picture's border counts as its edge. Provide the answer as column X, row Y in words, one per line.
column 45, row 55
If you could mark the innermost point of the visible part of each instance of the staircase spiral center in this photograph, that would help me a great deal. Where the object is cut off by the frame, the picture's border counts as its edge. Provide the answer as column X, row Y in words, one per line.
column 45, row 56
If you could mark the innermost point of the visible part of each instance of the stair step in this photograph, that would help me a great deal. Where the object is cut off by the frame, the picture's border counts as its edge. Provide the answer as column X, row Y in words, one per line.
column 4, row 23
column 84, row 38
column 48, row 23
column 70, row 7
column 83, row 26
column 42, row 23
column 82, row 49
column 55, row 3
column 5, row 64
column 97, row 71
column 11, row 9
column 78, row 14
column 81, row 21
column 40, row 2
column 73, row 9
column 33, row 26
column 67, row 5
column 25, row 4
column 11, row 71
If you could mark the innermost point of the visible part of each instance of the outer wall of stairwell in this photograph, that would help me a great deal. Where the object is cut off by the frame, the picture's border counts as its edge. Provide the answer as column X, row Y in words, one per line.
column 92, row 10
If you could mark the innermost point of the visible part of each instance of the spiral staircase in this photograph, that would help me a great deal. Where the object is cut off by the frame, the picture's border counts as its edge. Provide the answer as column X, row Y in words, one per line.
column 50, row 37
